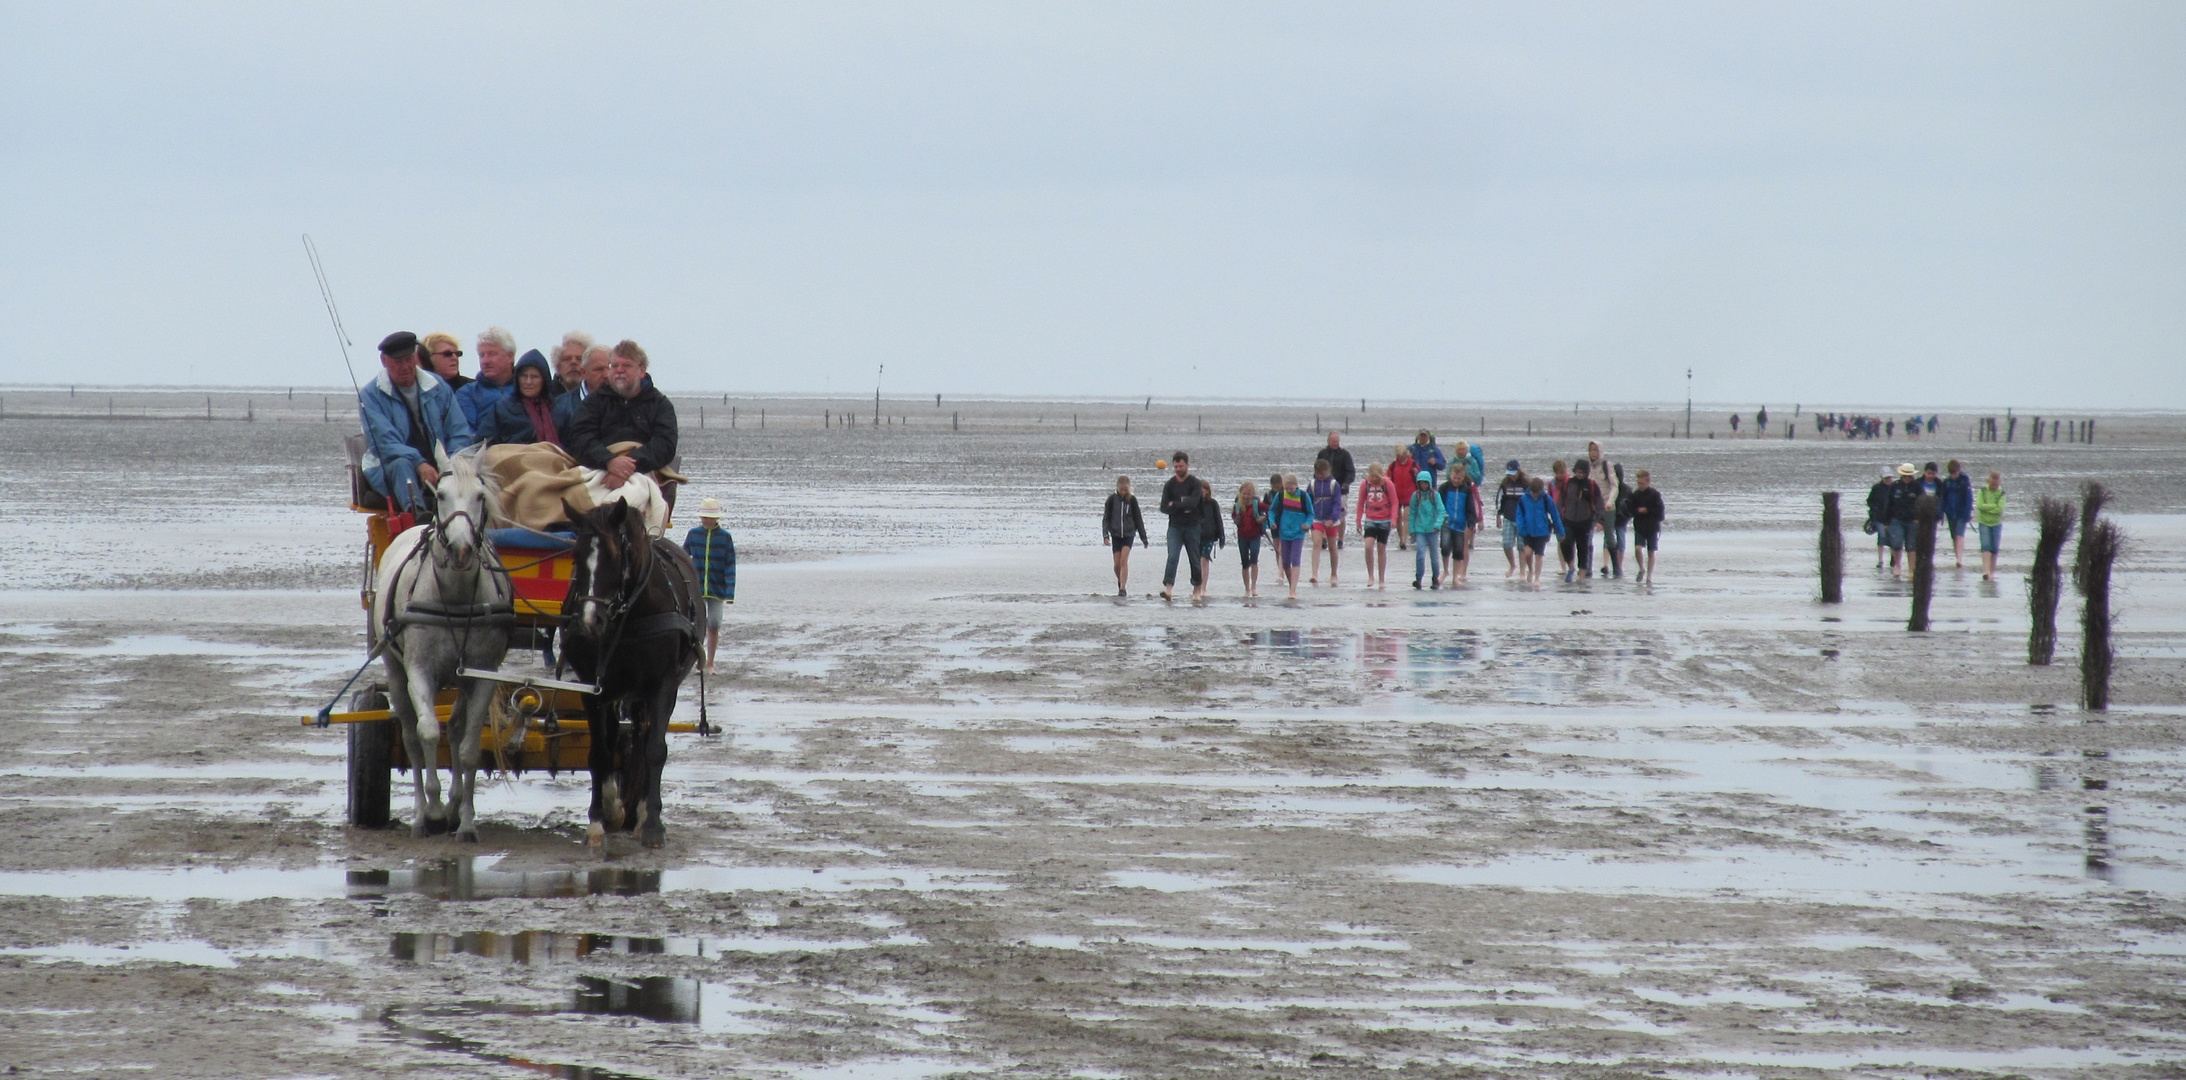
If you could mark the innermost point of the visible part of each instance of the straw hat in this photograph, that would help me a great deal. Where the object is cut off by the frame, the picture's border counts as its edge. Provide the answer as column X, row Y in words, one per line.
column 1907, row 469
column 710, row 508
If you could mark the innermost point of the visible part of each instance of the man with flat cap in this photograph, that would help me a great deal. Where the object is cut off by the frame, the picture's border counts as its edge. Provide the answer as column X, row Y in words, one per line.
column 405, row 412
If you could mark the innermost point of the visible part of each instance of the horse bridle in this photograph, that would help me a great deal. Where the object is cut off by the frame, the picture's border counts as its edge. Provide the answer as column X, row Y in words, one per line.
column 463, row 560
column 618, row 609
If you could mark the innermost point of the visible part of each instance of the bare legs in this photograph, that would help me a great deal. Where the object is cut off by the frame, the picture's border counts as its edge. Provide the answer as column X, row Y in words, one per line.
column 1377, row 563
column 1123, row 581
column 1318, row 540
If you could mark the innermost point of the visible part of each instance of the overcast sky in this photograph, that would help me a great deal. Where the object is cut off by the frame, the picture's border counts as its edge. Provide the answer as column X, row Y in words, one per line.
column 1921, row 204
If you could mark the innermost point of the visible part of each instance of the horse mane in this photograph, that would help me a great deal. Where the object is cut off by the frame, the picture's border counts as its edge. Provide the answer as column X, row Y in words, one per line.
column 469, row 462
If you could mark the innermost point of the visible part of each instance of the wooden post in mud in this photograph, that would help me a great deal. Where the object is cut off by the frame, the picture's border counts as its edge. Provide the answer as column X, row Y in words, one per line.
column 1924, row 562
column 2093, row 497
column 2053, row 525
column 1832, row 550
column 2096, row 655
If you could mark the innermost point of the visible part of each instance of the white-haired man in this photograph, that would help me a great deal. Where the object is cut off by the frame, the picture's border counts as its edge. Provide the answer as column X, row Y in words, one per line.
column 569, row 364
column 597, row 360
column 496, row 375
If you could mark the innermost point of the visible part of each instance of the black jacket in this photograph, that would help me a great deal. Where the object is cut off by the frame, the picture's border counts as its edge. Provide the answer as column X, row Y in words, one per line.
column 1210, row 522
column 1339, row 464
column 1646, row 506
column 1180, row 500
column 1120, row 518
column 1878, row 502
column 1905, row 499
column 608, row 418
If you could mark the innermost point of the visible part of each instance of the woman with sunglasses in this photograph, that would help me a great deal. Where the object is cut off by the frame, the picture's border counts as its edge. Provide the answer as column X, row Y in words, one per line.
column 444, row 357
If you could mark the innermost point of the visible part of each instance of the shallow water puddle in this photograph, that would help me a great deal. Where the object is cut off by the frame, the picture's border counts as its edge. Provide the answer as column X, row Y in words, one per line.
column 463, row 879
column 543, row 947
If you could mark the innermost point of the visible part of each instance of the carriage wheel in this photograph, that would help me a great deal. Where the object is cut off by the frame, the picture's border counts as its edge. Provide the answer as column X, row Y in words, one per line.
column 371, row 761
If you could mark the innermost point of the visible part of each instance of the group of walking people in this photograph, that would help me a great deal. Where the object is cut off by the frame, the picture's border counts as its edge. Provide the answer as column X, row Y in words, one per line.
column 1893, row 514
column 1856, row 426
column 1423, row 499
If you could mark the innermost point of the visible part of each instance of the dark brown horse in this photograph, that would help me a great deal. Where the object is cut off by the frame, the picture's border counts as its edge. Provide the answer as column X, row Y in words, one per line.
column 631, row 625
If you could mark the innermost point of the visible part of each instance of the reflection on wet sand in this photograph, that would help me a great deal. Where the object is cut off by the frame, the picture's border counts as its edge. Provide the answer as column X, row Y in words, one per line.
column 463, row 879
column 526, row 947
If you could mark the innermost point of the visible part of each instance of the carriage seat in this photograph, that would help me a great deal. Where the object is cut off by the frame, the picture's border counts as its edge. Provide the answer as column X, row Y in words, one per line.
column 531, row 539
column 361, row 494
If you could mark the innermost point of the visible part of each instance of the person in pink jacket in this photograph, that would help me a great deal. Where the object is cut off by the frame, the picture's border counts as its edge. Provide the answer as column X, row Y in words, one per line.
column 1376, row 515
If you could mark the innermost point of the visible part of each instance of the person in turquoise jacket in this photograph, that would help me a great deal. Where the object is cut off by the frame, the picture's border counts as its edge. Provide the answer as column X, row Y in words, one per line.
column 1538, row 519
column 713, row 551
column 1424, row 519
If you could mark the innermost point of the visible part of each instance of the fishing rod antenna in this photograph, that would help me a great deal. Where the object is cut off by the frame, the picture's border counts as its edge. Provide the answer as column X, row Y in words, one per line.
column 326, row 292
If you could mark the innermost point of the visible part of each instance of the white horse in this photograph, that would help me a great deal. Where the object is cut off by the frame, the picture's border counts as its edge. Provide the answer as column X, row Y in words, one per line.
column 443, row 603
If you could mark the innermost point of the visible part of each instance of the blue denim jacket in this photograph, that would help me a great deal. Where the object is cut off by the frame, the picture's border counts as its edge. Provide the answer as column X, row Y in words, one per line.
column 387, row 423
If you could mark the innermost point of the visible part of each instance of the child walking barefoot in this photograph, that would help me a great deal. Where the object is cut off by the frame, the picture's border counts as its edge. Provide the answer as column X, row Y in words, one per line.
column 1646, row 525
column 1377, row 514
column 1250, row 516
column 1988, row 512
column 1290, row 517
column 1120, row 518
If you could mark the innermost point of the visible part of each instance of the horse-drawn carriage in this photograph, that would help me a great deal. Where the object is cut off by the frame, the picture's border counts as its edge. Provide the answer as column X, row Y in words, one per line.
column 525, row 720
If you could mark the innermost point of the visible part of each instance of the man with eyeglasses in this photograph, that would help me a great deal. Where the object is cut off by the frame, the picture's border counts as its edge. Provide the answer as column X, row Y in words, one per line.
column 628, row 428
column 405, row 412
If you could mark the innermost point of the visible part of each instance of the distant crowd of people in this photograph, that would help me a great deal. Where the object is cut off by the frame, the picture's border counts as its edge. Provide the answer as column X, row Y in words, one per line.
column 1422, row 499
column 1856, row 426
column 1893, row 513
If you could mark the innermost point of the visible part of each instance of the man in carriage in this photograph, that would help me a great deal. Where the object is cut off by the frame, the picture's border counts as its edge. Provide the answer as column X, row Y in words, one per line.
column 406, row 411
column 629, row 429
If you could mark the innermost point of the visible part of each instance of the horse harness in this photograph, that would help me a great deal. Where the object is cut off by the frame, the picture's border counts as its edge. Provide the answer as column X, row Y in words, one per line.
column 462, row 618
column 620, row 625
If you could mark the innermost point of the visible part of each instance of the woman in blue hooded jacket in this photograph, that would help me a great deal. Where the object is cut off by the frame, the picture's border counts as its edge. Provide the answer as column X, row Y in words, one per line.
column 1428, row 456
column 1538, row 519
column 527, row 414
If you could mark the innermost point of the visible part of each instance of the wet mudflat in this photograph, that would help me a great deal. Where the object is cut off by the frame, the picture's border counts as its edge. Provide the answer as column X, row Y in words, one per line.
column 974, row 815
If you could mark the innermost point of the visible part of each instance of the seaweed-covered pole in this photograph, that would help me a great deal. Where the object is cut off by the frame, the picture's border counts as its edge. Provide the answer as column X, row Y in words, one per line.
column 1832, row 551
column 2093, row 497
column 2053, row 522
column 2101, row 551
column 1924, row 570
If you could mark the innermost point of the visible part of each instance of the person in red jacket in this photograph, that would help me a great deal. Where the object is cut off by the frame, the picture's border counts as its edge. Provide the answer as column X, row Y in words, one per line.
column 1400, row 475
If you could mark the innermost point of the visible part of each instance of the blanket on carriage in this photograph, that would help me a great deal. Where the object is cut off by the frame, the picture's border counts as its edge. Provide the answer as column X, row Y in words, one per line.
column 537, row 478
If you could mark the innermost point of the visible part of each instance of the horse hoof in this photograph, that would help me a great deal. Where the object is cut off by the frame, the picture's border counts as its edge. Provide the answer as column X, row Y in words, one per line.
column 611, row 801
column 420, row 830
column 596, row 836
column 654, row 836
column 468, row 836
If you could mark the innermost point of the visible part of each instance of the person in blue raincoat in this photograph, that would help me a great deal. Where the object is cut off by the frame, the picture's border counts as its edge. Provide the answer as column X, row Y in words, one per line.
column 713, row 551
column 406, row 413
column 1538, row 519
